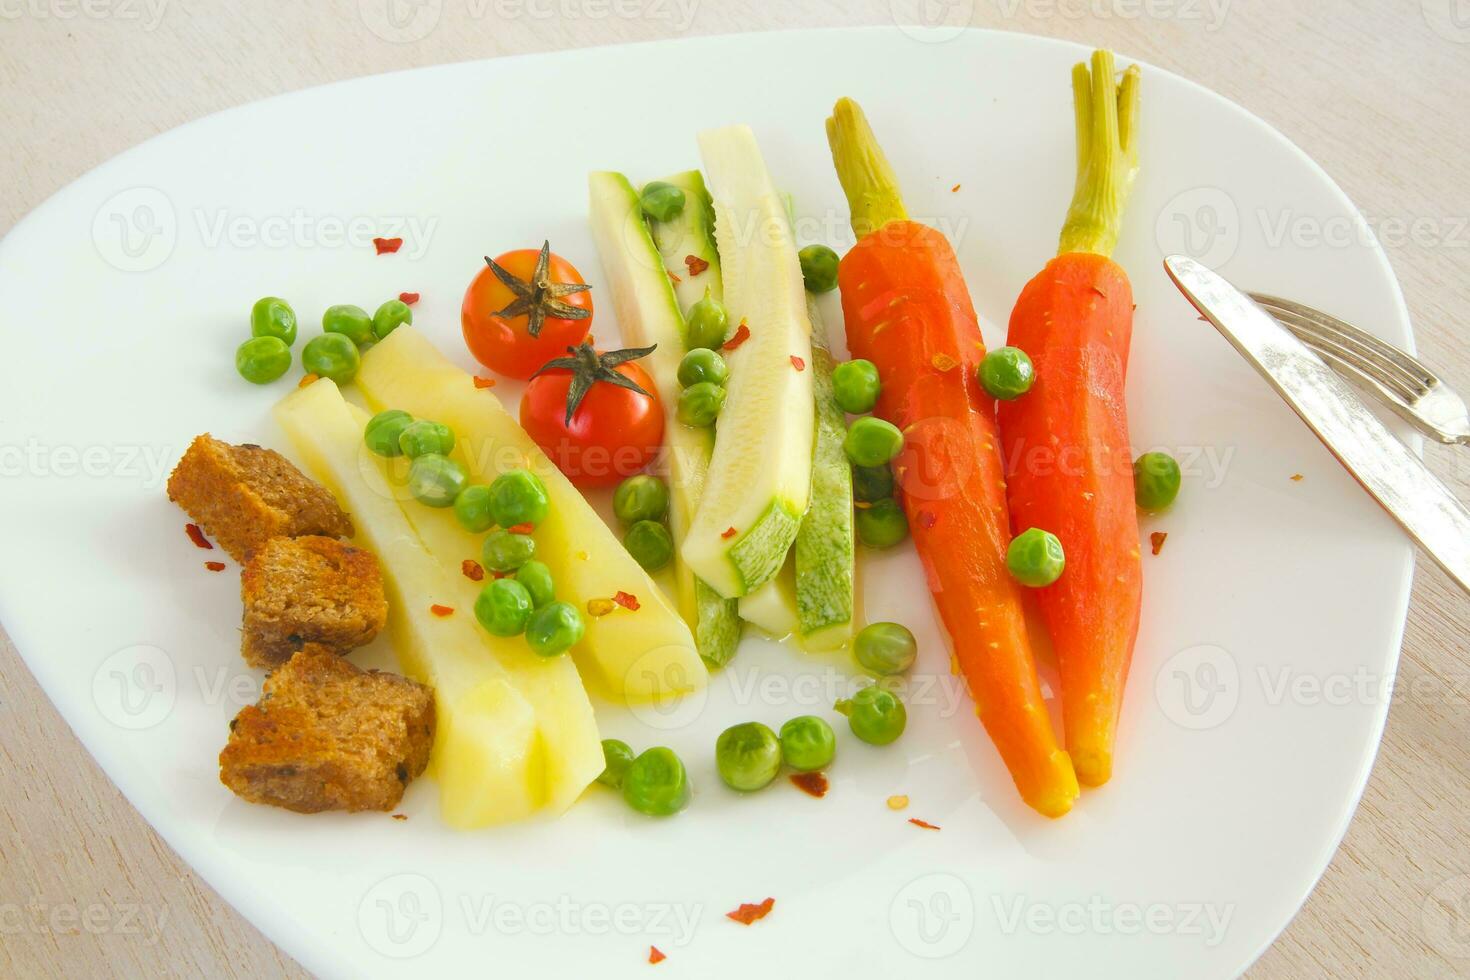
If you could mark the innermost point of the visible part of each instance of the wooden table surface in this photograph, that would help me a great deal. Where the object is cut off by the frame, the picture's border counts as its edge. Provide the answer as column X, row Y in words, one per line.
column 1374, row 90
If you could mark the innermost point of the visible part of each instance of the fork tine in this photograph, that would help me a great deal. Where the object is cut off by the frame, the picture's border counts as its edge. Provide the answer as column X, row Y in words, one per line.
column 1410, row 365
column 1385, row 374
column 1405, row 385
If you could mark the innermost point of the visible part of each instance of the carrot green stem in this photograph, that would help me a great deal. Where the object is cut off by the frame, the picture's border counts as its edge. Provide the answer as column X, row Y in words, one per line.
column 1107, row 154
column 867, row 179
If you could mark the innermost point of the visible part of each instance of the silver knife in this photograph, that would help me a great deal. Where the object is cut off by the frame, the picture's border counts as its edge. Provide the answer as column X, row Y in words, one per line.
column 1385, row 467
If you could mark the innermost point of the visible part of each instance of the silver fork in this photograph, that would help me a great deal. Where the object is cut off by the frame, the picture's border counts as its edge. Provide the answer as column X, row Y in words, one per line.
column 1401, row 381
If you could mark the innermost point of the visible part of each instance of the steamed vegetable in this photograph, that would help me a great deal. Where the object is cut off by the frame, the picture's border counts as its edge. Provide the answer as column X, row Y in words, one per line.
column 824, row 552
column 640, row 654
column 510, row 739
column 907, row 310
column 650, row 307
column 1075, row 320
column 760, row 473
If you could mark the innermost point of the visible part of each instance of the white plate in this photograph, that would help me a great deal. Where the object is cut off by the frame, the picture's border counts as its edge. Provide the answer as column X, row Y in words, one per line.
column 1271, row 622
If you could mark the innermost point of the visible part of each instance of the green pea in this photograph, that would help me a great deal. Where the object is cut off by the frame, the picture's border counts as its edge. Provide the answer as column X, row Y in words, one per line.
column 506, row 552
column 656, row 783
column 1035, row 558
column 661, row 201
column 872, row 483
column 885, row 648
column 874, row 714
column 1156, row 480
column 261, row 360
column 808, row 743
column 472, row 509
column 707, row 323
column 503, row 607
column 383, row 431
column 350, row 321
column 272, row 316
column 554, row 628
column 390, row 316
column 641, row 498
column 1007, row 373
column 872, row 442
column 331, row 355
column 536, row 577
column 650, row 545
column 424, row 436
column 703, row 364
column 518, row 497
column 881, row 525
column 748, row 756
column 699, row 405
column 818, row 268
column 855, row 386
column 617, row 756
column 435, row 480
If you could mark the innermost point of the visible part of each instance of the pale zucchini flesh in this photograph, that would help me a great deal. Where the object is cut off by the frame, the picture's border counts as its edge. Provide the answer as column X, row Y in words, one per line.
column 772, row 607
column 487, row 758
column 641, row 655
column 649, row 314
column 760, row 472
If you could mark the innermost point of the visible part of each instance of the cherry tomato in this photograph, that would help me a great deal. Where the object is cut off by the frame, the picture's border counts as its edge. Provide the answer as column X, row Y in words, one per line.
column 542, row 285
column 613, row 433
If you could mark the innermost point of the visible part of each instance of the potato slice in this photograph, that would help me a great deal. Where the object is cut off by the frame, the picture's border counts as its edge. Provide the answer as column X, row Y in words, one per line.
column 487, row 755
column 637, row 655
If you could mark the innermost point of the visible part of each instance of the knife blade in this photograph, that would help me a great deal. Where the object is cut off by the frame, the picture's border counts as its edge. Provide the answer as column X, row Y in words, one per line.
column 1385, row 467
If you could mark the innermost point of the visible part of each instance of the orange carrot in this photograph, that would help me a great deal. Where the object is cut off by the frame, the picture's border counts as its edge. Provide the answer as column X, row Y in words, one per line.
column 908, row 311
column 1069, row 466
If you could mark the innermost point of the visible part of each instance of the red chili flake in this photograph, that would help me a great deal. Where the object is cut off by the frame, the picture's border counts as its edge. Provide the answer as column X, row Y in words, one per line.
column 922, row 823
column 742, row 334
column 308, row 379
column 810, row 783
column 387, row 244
column 955, row 188
column 728, row 532
column 408, row 299
column 197, row 536
column 400, row 816
column 672, row 277
column 215, row 566
column 627, row 600
column 484, row 382
column 927, row 519
column 798, row 363
column 1157, row 539
column 747, row 913
column 472, row 570
column 525, row 528
column 441, row 611
column 656, row 955
column 696, row 265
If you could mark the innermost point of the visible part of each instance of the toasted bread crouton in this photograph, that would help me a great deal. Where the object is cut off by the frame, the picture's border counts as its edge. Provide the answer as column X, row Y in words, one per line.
column 309, row 590
column 245, row 495
column 327, row 735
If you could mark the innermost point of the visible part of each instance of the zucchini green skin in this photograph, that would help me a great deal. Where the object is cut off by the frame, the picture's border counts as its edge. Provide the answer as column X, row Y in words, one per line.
column 825, row 562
